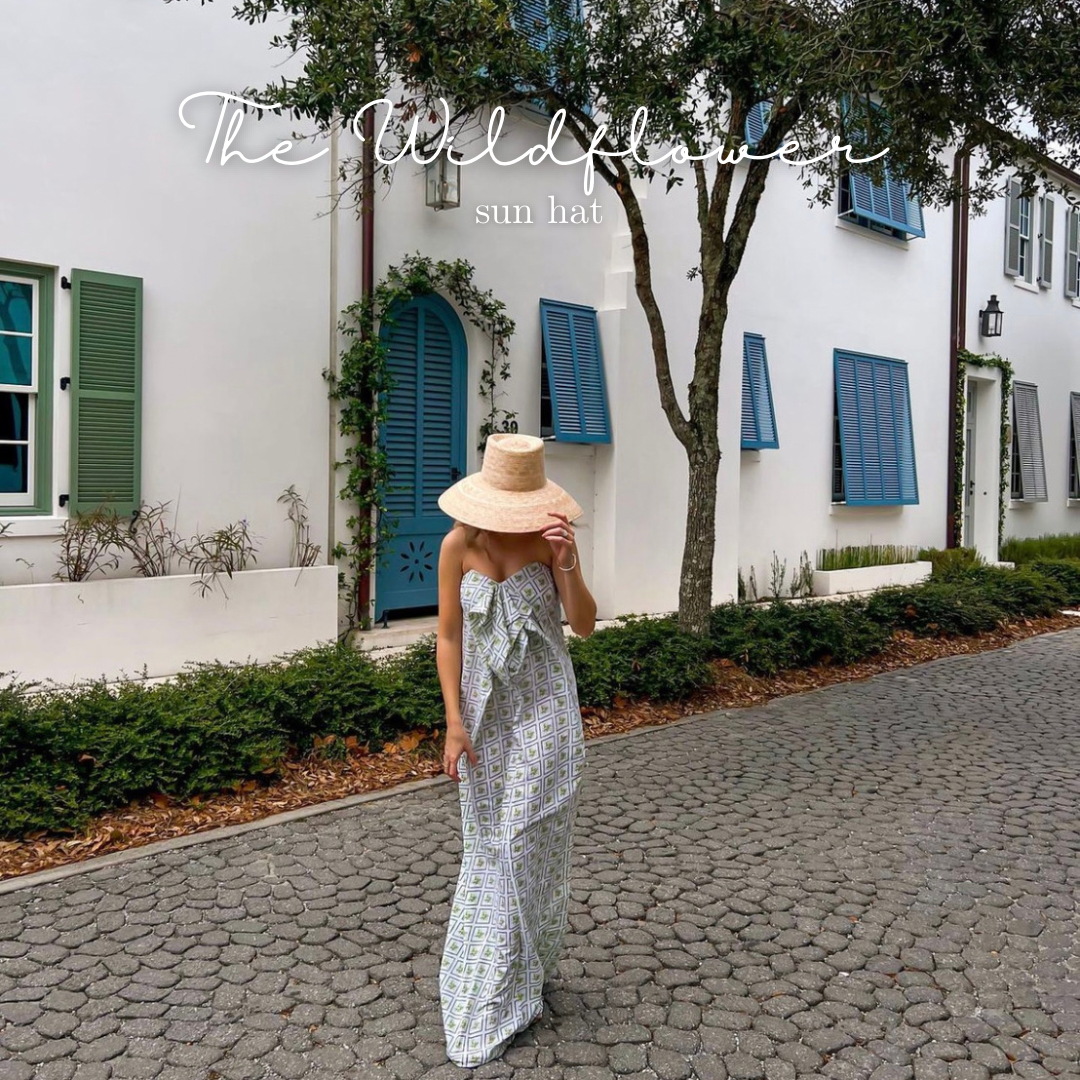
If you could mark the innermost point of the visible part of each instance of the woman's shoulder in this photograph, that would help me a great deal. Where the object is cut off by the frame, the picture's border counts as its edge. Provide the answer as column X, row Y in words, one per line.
column 455, row 542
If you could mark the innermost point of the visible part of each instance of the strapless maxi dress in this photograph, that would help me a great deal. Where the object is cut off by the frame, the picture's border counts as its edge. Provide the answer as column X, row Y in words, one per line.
column 519, row 705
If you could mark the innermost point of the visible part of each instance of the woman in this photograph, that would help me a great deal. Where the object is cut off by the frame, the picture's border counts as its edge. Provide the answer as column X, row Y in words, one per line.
column 513, row 738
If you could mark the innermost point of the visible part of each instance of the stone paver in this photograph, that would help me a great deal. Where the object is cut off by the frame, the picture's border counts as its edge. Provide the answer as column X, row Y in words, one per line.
column 877, row 880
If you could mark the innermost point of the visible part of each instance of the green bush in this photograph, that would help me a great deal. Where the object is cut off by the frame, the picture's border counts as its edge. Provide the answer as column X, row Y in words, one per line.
column 639, row 658
column 768, row 639
column 77, row 752
column 951, row 563
column 328, row 690
column 1018, row 592
column 1066, row 572
column 409, row 684
column 68, row 754
column 1050, row 546
column 934, row 609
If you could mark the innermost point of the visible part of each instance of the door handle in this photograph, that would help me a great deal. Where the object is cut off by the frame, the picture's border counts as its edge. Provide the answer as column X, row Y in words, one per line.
column 455, row 473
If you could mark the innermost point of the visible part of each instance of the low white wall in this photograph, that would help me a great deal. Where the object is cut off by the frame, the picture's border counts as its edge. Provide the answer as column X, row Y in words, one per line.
column 71, row 631
column 868, row 578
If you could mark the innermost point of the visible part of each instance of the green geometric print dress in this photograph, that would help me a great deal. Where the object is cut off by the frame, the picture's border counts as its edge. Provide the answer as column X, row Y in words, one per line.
column 519, row 705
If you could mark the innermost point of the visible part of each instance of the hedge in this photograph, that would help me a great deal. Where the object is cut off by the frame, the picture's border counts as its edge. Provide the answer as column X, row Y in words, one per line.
column 1034, row 548
column 68, row 754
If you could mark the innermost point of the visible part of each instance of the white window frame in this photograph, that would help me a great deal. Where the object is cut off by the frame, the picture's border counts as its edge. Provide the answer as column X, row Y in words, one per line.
column 1025, row 250
column 32, row 390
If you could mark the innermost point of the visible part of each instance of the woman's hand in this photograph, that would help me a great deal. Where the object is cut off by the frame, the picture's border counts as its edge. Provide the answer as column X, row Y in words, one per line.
column 560, row 535
column 457, row 743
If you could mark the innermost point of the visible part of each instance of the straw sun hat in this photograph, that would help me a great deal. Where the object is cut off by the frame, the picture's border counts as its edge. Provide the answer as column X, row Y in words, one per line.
column 511, row 493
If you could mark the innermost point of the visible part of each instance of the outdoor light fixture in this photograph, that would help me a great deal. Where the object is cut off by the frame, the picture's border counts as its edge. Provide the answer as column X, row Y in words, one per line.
column 990, row 319
column 443, row 178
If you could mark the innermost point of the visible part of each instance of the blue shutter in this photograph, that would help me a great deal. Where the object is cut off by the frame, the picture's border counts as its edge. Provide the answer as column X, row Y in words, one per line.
column 530, row 17
column 757, row 120
column 758, row 418
column 439, row 436
column 399, row 431
column 876, row 440
column 890, row 203
column 575, row 371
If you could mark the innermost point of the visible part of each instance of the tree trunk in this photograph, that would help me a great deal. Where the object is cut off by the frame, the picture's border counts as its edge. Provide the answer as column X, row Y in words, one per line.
column 696, row 580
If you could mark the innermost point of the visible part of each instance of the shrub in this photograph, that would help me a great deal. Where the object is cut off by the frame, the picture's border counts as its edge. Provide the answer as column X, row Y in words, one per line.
column 639, row 658
column 77, row 752
column 934, row 609
column 766, row 640
column 1050, row 546
column 409, row 684
column 1018, row 592
column 1066, row 572
column 328, row 690
column 950, row 563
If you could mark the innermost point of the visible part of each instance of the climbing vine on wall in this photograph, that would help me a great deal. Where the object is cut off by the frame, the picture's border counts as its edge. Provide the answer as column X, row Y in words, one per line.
column 966, row 359
column 362, row 384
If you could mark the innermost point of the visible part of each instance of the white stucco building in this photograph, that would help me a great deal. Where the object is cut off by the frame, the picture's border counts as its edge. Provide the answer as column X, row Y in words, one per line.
column 186, row 364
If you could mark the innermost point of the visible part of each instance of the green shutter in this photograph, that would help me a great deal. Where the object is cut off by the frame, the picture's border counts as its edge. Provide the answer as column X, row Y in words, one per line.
column 106, row 385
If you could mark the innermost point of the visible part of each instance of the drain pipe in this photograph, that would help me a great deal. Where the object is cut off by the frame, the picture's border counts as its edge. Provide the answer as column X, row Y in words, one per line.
column 332, row 359
column 367, row 286
column 957, row 333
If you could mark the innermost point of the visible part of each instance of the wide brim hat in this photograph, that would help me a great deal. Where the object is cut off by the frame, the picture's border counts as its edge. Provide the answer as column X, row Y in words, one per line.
column 511, row 493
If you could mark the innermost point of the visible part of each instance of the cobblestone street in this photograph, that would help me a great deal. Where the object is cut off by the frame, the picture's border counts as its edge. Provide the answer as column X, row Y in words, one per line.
column 879, row 879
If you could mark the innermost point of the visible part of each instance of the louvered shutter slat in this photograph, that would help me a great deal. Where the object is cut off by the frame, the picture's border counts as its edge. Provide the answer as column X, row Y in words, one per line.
column 757, row 120
column 891, row 202
column 1029, row 441
column 907, row 479
column 1046, row 241
column 748, row 432
column 106, row 391
column 1072, row 253
column 438, row 385
column 1074, row 402
column 874, row 411
column 1012, row 229
column 399, row 432
column 850, row 435
column 530, row 18
column 758, row 418
column 575, row 370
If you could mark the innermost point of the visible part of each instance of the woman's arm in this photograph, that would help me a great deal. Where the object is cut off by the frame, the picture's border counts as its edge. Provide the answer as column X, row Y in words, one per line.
column 577, row 601
column 448, row 649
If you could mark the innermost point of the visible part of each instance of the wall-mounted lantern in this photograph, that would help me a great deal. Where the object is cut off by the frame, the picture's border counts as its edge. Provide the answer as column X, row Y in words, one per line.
column 443, row 181
column 990, row 319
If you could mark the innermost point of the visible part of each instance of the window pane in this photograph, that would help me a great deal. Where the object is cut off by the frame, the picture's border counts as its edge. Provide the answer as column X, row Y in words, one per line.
column 15, row 360
column 14, row 460
column 14, row 417
column 16, row 306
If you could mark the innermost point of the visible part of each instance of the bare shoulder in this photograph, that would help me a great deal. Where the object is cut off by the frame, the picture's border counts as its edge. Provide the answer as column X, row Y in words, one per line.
column 453, row 545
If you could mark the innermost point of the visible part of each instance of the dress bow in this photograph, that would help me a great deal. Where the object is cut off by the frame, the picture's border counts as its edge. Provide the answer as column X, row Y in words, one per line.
column 500, row 620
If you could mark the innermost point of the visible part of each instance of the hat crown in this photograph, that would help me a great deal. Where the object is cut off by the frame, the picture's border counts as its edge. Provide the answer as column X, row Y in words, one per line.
column 514, row 462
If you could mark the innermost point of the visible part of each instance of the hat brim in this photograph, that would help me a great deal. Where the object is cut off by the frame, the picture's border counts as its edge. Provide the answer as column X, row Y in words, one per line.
column 473, row 501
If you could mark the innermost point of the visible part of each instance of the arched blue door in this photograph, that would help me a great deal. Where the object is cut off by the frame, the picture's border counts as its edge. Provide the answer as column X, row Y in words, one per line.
column 424, row 439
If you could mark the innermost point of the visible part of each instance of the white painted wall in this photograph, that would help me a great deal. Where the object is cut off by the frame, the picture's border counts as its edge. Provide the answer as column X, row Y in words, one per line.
column 99, row 173
column 241, row 295
column 1041, row 336
column 809, row 284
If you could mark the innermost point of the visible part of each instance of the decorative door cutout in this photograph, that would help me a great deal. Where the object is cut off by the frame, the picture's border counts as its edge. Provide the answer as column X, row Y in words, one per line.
column 424, row 439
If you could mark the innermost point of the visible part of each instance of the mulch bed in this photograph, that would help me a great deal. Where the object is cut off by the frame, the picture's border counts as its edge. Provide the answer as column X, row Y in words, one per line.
column 417, row 754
